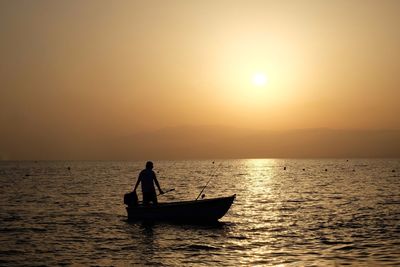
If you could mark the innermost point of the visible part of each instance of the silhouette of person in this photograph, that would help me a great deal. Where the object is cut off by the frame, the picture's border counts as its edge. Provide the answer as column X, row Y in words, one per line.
column 148, row 177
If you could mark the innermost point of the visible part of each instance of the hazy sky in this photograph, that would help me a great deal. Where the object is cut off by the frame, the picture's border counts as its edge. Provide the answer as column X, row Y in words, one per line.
column 93, row 69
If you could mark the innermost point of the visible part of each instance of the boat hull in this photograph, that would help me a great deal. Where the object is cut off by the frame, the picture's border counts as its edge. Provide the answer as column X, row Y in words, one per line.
column 207, row 210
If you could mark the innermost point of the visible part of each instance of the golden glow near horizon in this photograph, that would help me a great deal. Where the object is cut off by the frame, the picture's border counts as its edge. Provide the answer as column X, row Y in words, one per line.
column 82, row 69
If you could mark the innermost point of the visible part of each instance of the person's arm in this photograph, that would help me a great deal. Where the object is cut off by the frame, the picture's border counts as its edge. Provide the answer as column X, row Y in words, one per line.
column 137, row 182
column 157, row 184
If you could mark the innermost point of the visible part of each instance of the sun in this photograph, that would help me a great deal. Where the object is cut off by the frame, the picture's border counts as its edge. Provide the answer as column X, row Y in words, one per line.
column 259, row 79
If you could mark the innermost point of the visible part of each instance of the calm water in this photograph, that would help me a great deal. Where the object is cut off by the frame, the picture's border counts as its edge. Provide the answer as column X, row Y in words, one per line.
column 349, row 214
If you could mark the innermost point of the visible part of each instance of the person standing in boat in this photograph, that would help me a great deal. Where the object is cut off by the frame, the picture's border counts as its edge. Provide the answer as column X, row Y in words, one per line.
column 148, row 177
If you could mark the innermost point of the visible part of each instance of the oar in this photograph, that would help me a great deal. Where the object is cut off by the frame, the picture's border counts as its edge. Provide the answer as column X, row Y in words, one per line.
column 169, row 190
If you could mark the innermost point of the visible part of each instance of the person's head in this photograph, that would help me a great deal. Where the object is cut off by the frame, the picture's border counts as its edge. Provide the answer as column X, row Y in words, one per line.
column 149, row 165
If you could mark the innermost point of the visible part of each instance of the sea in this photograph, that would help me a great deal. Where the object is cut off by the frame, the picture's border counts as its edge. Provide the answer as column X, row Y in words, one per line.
column 287, row 212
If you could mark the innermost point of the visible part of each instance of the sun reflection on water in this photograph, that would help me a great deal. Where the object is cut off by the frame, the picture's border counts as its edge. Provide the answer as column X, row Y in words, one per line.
column 260, row 173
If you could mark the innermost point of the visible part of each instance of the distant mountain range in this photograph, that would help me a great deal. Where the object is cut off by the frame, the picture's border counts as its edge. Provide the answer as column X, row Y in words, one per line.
column 212, row 142
column 198, row 142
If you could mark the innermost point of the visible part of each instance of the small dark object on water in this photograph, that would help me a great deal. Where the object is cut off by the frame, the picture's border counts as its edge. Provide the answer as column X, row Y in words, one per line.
column 304, row 169
column 393, row 170
column 203, row 195
column 284, row 168
column 326, row 170
column 27, row 175
column 354, row 170
column 69, row 168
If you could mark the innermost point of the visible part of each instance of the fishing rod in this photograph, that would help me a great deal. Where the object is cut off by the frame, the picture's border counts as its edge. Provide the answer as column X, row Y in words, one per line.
column 209, row 180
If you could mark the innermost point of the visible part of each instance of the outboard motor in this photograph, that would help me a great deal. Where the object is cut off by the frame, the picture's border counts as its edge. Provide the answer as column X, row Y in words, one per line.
column 131, row 199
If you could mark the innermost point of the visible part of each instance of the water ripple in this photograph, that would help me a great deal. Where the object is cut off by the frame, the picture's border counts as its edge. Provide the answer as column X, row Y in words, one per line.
column 52, row 216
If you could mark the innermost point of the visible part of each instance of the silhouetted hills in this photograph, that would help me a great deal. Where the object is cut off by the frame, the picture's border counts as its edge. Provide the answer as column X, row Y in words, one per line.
column 211, row 142
column 197, row 142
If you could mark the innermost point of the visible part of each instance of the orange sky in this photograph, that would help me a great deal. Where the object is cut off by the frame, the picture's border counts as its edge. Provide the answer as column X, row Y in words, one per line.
column 94, row 69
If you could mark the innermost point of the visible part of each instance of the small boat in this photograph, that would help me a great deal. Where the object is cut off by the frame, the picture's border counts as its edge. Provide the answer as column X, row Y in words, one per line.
column 204, row 210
